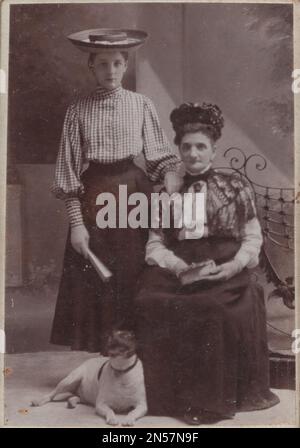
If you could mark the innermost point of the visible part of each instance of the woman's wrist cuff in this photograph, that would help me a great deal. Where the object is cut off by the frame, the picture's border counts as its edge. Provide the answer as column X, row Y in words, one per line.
column 73, row 207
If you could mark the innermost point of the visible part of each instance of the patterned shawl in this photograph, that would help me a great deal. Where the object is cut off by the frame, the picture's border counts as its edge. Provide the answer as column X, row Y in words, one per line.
column 230, row 203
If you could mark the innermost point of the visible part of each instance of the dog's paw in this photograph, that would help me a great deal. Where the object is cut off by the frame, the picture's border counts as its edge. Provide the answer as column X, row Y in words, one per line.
column 73, row 402
column 112, row 420
column 35, row 403
column 128, row 421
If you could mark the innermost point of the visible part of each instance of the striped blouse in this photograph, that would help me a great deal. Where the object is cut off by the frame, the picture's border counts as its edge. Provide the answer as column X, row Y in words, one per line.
column 107, row 126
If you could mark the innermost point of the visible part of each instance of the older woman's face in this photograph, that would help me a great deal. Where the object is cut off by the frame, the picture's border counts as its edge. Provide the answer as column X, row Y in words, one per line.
column 197, row 152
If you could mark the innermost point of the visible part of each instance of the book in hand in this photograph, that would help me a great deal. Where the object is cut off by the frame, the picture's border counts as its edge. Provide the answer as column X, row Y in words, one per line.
column 104, row 273
column 196, row 272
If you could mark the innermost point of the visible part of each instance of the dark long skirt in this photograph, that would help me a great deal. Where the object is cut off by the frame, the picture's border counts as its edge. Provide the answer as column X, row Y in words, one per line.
column 203, row 346
column 87, row 309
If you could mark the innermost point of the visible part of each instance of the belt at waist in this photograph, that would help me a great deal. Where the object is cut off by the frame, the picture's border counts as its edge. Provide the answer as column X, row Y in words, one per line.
column 119, row 166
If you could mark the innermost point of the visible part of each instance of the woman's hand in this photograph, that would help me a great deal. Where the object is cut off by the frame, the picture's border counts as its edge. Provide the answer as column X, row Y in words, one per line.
column 225, row 271
column 179, row 267
column 172, row 182
column 80, row 240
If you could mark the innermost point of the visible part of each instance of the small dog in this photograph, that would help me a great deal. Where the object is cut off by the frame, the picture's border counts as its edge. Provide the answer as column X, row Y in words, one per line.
column 113, row 384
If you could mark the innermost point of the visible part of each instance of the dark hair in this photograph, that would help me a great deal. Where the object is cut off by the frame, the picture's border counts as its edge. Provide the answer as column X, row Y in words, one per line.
column 191, row 117
column 92, row 57
column 121, row 342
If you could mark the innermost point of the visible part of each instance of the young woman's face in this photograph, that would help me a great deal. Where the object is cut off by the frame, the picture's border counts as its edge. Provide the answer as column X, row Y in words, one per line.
column 197, row 152
column 109, row 68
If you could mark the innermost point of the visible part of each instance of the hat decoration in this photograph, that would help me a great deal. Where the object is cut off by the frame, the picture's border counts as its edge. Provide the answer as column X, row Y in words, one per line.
column 99, row 39
column 206, row 114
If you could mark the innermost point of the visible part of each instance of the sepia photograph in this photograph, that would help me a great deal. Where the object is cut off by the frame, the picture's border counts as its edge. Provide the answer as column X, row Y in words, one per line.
column 148, row 214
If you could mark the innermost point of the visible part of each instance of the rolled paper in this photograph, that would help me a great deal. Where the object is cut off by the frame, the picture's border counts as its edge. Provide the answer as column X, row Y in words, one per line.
column 104, row 273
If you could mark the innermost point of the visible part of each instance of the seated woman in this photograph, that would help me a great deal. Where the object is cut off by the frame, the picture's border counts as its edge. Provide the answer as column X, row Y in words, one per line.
column 203, row 337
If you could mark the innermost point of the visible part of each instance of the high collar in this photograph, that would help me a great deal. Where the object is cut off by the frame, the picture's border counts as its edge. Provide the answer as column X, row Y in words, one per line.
column 202, row 172
column 190, row 179
column 103, row 93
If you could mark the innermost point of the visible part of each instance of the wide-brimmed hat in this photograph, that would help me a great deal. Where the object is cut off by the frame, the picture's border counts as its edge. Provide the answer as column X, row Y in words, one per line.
column 99, row 39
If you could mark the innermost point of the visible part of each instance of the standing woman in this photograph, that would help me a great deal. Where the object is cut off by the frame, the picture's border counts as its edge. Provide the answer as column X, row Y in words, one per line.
column 107, row 129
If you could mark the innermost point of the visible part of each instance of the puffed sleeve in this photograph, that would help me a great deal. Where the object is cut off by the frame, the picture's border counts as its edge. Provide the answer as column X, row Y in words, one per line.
column 69, row 162
column 158, row 153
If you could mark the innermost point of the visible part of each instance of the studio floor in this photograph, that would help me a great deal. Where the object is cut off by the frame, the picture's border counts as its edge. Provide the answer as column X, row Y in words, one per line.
column 33, row 367
column 30, row 375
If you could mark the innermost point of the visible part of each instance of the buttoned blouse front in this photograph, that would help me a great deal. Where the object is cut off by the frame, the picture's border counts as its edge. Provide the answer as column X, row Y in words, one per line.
column 112, row 127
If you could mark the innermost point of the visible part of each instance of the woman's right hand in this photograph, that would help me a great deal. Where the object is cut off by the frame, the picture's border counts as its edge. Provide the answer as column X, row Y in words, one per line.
column 80, row 240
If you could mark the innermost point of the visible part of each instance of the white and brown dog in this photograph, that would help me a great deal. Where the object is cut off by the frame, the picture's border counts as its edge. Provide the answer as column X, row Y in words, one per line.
column 113, row 384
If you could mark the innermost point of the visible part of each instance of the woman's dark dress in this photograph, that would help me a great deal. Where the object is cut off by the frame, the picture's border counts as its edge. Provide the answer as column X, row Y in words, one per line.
column 87, row 309
column 204, row 345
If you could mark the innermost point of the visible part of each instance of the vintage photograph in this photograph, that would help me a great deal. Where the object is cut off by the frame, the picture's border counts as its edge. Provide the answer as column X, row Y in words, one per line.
column 150, row 204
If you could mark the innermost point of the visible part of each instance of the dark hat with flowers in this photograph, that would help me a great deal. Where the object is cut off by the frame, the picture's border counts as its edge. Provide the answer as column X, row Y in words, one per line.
column 207, row 115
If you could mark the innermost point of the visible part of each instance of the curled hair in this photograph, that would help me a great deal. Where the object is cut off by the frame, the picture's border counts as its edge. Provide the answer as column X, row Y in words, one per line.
column 92, row 57
column 191, row 117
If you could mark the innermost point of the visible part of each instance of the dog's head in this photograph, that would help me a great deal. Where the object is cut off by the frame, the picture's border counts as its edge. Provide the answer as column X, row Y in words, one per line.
column 121, row 343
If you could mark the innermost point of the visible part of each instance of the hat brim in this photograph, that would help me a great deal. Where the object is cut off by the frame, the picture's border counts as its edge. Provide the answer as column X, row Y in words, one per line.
column 134, row 39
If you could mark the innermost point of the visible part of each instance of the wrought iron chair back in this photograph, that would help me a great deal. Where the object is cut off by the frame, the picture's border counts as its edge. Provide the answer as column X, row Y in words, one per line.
column 275, row 207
